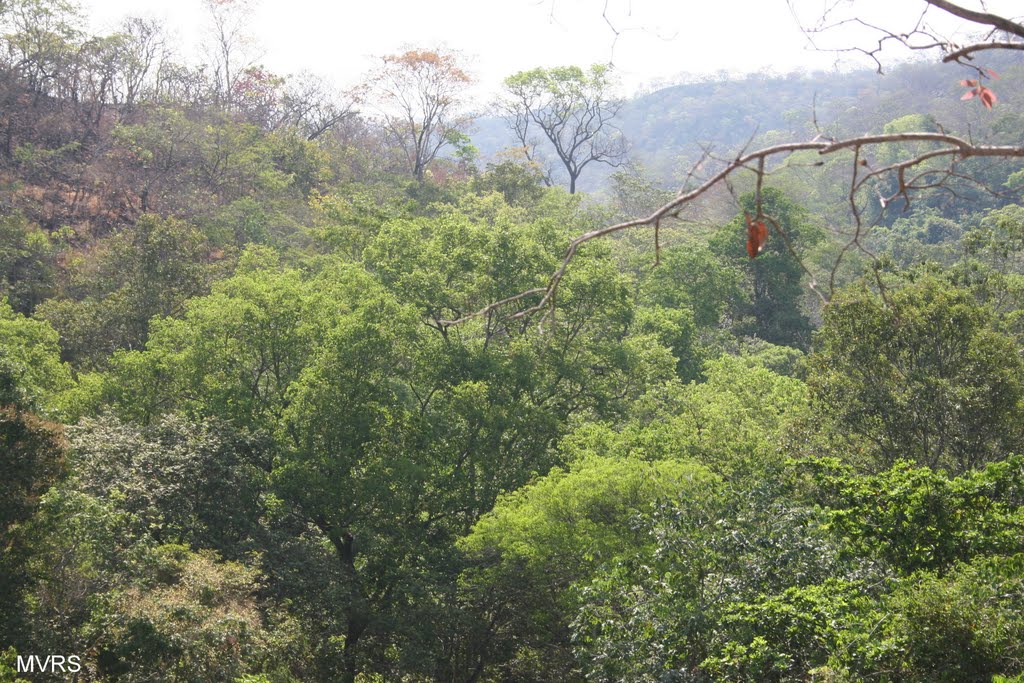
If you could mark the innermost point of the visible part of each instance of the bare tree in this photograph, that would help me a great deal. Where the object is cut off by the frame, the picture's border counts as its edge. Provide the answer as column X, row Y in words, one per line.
column 40, row 41
column 304, row 102
column 420, row 94
column 310, row 104
column 1001, row 33
column 925, row 169
column 144, row 47
column 568, row 109
column 231, row 49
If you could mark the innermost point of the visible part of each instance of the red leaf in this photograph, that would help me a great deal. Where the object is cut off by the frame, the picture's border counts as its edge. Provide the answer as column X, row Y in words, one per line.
column 985, row 95
column 988, row 98
column 992, row 74
column 757, row 235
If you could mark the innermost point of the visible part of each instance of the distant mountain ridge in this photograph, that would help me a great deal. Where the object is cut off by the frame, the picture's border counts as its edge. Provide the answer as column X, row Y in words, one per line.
column 669, row 127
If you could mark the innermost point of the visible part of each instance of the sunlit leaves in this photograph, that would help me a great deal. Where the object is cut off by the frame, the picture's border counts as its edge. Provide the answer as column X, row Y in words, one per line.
column 923, row 374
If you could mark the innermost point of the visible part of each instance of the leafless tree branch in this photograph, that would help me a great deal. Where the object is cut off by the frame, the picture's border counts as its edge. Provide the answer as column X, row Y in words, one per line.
column 912, row 176
column 955, row 149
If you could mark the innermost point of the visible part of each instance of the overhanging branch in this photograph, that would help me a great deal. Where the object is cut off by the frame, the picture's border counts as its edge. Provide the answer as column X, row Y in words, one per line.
column 955, row 149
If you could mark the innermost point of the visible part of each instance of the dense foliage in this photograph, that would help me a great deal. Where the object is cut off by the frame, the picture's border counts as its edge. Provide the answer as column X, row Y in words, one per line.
column 240, row 440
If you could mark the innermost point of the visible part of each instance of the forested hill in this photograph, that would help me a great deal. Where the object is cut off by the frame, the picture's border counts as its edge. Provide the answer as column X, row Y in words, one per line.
column 668, row 129
column 297, row 387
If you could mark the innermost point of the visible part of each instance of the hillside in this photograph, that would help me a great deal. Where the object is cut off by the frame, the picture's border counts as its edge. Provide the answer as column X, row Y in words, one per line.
column 297, row 386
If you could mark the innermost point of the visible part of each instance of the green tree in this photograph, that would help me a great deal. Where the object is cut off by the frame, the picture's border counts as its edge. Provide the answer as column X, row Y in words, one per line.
column 961, row 626
column 27, row 263
column 33, row 461
column 189, row 616
column 156, row 157
column 693, row 278
column 913, row 519
column 134, row 608
column 31, row 370
column 145, row 270
column 946, row 547
column 993, row 266
column 731, row 422
column 568, row 110
column 775, row 278
column 924, row 375
column 689, row 301
column 544, row 541
column 712, row 566
column 192, row 482
column 390, row 436
column 814, row 570
column 923, row 236
column 521, row 184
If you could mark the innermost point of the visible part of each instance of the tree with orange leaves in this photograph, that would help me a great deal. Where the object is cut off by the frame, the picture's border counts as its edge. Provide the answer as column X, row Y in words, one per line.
column 421, row 96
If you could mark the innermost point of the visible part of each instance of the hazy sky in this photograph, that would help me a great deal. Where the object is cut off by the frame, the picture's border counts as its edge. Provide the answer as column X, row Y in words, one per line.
column 659, row 39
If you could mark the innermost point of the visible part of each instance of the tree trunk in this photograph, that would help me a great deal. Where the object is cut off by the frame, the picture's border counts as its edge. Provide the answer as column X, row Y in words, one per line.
column 357, row 612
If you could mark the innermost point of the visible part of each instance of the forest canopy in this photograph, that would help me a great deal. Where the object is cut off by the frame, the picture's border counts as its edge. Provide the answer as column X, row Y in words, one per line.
column 713, row 383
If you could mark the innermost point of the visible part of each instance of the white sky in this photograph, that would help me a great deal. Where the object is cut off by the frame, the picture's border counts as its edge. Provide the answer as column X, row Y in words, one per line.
column 660, row 39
